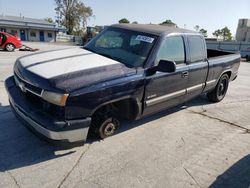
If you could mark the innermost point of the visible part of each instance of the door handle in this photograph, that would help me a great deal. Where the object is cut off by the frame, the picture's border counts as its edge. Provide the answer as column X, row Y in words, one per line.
column 184, row 74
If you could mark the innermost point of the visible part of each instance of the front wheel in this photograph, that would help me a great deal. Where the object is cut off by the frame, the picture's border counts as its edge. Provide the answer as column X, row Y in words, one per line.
column 108, row 127
column 9, row 47
column 220, row 90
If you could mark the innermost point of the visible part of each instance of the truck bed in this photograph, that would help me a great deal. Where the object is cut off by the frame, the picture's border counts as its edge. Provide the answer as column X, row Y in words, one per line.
column 215, row 53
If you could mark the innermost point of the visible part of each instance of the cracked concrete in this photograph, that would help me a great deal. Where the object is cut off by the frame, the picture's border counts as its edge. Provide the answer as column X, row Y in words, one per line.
column 197, row 183
column 200, row 145
column 203, row 113
column 77, row 163
column 13, row 178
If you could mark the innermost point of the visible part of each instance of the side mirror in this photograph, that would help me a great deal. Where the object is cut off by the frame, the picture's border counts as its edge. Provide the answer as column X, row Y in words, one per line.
column 166, row 66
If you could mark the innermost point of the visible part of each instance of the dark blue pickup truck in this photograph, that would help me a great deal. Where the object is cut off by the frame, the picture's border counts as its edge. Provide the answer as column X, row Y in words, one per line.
column 127, row 72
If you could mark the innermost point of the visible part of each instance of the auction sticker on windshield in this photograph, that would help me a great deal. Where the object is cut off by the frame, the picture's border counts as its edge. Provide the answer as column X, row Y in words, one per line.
column 145, row 38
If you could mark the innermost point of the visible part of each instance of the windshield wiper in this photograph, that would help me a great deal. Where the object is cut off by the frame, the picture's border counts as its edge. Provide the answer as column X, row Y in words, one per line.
column 89, row 49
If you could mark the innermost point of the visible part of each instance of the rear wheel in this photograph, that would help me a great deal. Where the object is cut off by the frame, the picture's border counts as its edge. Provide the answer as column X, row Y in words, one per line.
column 248, row 58
column 9, row 47
column 220, row 90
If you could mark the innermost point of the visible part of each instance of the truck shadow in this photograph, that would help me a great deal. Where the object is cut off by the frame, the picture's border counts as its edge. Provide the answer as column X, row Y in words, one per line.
column 19, row 147
column 236, row 176
column 125, row 125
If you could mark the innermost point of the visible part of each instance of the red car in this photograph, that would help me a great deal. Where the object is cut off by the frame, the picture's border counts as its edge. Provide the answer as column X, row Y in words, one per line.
column 9, row 42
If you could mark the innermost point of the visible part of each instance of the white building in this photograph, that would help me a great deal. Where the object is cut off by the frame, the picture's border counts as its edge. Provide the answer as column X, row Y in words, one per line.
column 29, row 29
column 243, row 30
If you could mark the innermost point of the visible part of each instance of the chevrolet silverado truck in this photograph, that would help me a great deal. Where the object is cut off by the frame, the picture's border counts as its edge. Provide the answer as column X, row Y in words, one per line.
column 127, row 72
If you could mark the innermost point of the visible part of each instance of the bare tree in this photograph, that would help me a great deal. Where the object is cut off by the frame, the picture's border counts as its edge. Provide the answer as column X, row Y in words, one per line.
column 74, row 14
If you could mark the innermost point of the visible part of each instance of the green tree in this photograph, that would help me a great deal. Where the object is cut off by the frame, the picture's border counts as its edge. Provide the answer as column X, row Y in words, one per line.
column 223, row 33
column 217, row 33
column 124, row 20
column 135, row 22
column 226, row 33
column 168, row 22
column 197, row 27
column 50, row 20
column 203, row 32
column 74, row 14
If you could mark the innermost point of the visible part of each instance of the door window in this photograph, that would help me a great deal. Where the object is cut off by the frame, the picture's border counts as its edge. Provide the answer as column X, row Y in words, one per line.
column 172, row 49
column 197, row 49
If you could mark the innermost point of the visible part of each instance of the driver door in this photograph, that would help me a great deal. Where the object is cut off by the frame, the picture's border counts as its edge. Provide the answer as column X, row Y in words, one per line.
column 1, row 39
column 164, row 90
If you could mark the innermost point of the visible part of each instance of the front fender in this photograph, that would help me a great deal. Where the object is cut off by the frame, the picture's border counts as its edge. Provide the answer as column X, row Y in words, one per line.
column 84, row 104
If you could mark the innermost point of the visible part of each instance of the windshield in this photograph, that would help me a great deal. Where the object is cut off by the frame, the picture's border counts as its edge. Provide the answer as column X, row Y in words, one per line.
column 128, row 47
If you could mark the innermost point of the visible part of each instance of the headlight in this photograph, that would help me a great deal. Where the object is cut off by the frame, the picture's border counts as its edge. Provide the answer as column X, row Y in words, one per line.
column 55, row 98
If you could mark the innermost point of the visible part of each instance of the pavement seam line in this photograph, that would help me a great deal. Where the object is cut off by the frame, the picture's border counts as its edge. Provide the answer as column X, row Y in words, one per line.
column 14, row 179
column 10, row 174
column 192, row 177
column 221, row 120
column 74, row 166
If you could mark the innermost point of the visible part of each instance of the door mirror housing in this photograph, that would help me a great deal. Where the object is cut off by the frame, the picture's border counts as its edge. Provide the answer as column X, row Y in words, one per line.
column 166, row 66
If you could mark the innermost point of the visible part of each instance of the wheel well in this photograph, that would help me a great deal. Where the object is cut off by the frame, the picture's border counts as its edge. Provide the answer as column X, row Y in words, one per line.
column 229, row 73
column 125, row 109
column 9, row 43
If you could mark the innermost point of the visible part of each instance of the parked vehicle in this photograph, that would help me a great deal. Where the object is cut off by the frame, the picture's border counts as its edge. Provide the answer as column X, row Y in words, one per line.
column 127, row 72
column 9, row 42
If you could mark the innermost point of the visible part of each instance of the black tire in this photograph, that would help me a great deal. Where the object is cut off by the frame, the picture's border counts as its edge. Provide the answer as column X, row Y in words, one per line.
column 219, row 92
column 10, row 47
column 108, row 127
column 248, row 58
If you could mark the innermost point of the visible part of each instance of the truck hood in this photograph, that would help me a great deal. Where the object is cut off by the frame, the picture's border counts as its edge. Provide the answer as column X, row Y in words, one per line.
column 69, row 69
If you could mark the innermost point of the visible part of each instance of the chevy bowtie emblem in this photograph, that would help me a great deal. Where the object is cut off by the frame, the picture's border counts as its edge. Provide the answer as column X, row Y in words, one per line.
column 22, row 87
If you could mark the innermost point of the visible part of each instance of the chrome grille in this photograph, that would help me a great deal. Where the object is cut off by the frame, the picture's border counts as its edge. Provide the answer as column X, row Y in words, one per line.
column 27, row 87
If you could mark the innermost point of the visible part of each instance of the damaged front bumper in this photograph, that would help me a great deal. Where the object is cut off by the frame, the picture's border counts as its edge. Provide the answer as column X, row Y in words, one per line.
column 70, row 131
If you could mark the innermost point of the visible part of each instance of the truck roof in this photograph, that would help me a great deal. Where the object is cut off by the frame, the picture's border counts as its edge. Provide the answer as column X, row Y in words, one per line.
column 153, row 28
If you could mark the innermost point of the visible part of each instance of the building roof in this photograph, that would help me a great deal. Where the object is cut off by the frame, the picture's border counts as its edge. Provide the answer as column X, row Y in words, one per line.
column 152, row 28
column 24, row 19
column 24, row 22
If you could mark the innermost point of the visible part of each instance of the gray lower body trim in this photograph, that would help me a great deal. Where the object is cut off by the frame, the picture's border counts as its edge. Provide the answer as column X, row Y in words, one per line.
column 71, row 136
column 170, row 96
column 196, row 87
column 164, row 98
column 211, row 82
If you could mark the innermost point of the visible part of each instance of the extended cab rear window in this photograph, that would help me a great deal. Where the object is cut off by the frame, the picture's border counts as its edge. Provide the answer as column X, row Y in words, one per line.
column 197, row 48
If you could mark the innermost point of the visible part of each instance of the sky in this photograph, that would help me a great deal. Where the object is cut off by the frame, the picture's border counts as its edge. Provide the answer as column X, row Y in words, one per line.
column 210, row 14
